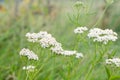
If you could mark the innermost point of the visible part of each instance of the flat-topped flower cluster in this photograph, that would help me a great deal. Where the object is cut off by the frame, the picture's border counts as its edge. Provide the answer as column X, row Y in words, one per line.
column 46, row 40
column 80, row 30
column 103, row 36
column 115, row 61
column 98, row 35
column 29, row 54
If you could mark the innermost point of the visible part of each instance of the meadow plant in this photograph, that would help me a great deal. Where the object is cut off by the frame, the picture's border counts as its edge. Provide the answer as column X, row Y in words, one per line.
column 114, row 61
column 100, row 40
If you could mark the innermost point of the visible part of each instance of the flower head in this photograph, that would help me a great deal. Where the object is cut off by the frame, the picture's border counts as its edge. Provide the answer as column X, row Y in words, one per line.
column 68, row 53
column 29, row 68
column 79, row 55
column 103, row 36
column 57, row 49
column 80, row 30
column 35, row 37
column 114, row 61
column 28, row 53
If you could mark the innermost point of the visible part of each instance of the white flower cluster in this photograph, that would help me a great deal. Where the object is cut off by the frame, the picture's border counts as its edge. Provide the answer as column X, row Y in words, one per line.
column 68, row 53
column 79, row 55
column 80, row 30
column 57, row 49
column 35, row 37
column 29, row 68
column 103, row 36
column 115, row 61
column 46, row 40
column 28, row 53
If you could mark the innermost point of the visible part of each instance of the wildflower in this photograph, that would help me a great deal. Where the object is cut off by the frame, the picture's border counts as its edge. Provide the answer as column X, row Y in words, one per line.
column 103, row 36
column 45, row 39
column 48, row 41
column 57, row 49
column 29, row 68
column 28, row 53
column 32, row 37
column 80, row 30
column 68, row 53
column 79, row 55
column 35, row 37
column 115, row 61
column 42, row 34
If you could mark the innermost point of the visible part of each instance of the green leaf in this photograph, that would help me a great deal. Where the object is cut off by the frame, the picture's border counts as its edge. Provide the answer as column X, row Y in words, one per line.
column 108, row 72
column 115, row 78
column 112, row 54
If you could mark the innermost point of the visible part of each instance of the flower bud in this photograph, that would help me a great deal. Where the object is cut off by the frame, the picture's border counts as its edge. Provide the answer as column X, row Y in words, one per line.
column 79, row 4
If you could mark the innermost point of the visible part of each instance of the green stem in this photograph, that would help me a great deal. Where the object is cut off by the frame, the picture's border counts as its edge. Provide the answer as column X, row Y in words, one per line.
column 77, row 17
column 89, row 72
column 27, row 76
column 77, row 42
column 93, row 62
column 53, row 71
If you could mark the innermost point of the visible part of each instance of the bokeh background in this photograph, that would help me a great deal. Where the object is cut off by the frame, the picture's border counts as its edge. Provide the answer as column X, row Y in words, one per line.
column 17, row 17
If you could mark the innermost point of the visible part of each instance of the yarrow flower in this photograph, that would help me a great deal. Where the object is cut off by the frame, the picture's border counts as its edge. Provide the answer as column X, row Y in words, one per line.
column 80, row 30
column 68, row 53
column 79, row 55
column 103, row 36
column 35, row 37
column 114, row 61
column 29, row 54
column 46, row 40
column 29, row 68
column 57, row 49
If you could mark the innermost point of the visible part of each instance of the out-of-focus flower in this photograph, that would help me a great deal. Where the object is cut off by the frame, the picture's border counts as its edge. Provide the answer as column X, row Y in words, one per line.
column 29, row 54
column 29, row 68
column 68, row 53
column 79, row 55
column 114, row 61
column 80, row 30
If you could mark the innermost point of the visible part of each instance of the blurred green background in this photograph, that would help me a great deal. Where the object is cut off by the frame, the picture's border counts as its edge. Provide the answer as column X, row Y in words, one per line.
column 17, row 17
